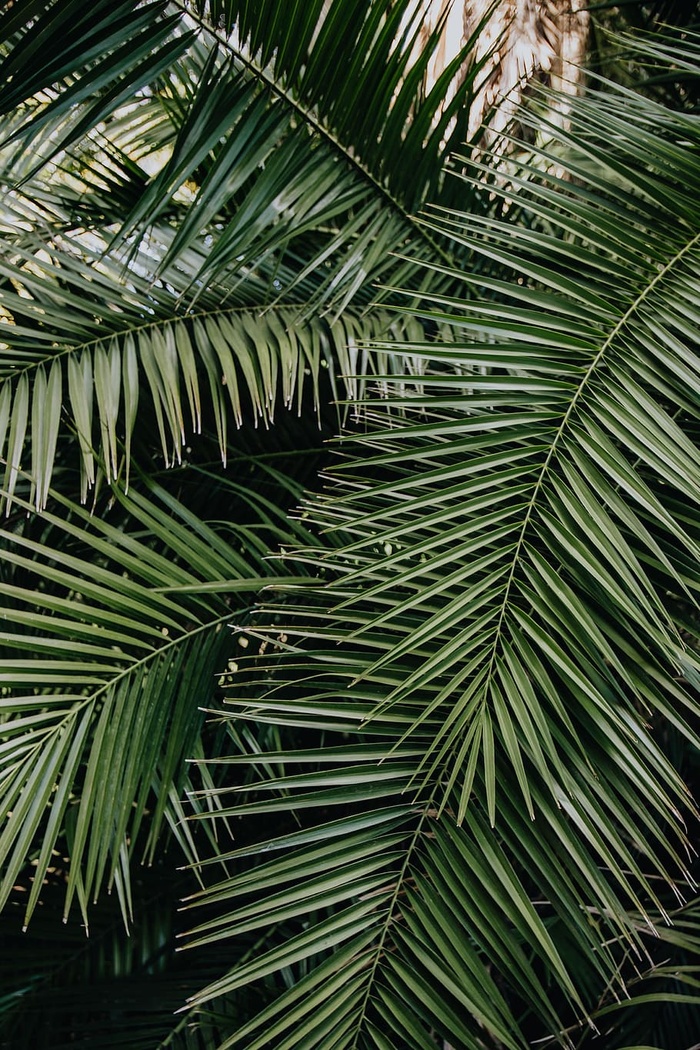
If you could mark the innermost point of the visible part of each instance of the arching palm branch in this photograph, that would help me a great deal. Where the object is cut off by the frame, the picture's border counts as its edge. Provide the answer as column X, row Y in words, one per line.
column 194, row 220
column 500, row 624
column 275, row 185
column 490, row 840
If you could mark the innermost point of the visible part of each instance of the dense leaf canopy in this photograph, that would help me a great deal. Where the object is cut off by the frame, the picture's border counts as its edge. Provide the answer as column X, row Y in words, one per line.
column 410, row 719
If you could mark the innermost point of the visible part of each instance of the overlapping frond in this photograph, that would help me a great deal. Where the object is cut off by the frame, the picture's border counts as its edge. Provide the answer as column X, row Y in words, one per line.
column 115, row 635
column 468, row 826
column 507, row 639
column 313, row 161
column 118, row 44
column 183, row 212
column 354, row 75
column 325, row 58
column 83, row 348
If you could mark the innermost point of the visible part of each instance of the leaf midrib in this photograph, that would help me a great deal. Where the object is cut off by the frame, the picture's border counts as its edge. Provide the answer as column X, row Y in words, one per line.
column 132, row 667
column 563, row 426
column 313, row 122
column 389, row 917
column 161, row 322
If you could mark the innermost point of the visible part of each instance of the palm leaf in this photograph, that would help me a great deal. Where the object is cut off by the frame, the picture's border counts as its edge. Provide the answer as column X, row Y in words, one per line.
column 128, row 30
column 273, row 154
column 83, row 348
column 509, row 623
column 217, row 270
column 118, row 289
column 114, row 637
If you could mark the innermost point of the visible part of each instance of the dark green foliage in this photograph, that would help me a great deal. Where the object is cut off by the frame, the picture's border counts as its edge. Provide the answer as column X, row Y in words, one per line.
column 410, row 723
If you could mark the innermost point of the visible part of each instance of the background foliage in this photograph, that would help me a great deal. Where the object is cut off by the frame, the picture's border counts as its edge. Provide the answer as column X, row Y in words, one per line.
column 444, row 794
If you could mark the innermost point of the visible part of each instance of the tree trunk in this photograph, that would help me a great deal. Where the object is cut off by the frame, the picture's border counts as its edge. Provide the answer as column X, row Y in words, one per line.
column 524, row 41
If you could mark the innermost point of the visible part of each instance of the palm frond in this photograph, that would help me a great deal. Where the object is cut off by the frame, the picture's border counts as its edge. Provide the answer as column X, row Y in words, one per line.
column 231, row 268
column 277, row 157
column 353, row 75
column 126, row 27
column 324, row 59
column 83, row 348
column 115, row 636
column 508, row 628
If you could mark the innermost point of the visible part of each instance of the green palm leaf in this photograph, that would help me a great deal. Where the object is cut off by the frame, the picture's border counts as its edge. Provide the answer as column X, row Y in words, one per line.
column 111, row 353
column 268, row 207
column 454, row 775
column 509, row 624
column 111, row 638
column 280, row 158
column 84, row 347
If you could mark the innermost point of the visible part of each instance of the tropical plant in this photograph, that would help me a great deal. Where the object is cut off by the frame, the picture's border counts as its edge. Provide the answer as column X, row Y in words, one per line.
column 446, row 801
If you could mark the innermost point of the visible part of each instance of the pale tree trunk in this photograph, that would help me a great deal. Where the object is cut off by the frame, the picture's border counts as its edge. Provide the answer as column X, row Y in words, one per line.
column 527, row 41
column 573, row 24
